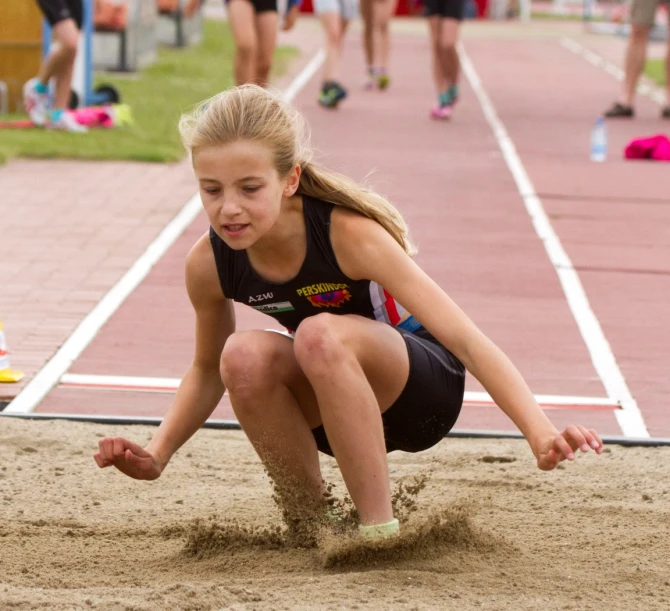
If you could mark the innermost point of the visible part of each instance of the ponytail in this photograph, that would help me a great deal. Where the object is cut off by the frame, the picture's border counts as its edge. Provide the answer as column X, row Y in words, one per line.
column 321, row 183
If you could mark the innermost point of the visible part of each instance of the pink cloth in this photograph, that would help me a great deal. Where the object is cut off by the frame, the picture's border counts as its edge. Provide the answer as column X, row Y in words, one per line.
column 95, row 116
column 656, row 147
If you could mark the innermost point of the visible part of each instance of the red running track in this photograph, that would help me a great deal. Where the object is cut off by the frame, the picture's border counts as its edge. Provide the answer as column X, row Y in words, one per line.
column 475, row 236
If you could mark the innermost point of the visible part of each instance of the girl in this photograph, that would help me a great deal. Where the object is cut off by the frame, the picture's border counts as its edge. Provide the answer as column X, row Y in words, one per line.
column 444, row 20
column 253, row 24
column 376, row 40
column 335, row 16
column 65, row 18
column 360, row 375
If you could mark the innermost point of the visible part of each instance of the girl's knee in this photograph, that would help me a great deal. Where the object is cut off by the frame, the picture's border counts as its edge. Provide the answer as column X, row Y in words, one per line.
column 319, row 342
column 67, row 37
column 245, row 50
column 67, row 46
column 333, row 37
column 246, row 362
column 447, row 46
column 640, row 34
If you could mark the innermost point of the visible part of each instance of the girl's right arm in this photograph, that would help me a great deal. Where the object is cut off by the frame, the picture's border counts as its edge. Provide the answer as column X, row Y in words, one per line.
column 201, row 387
column 291, row 16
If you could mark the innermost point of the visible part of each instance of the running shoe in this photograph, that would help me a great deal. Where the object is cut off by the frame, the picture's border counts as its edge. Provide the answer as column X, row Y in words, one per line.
column 35, row 102
column 332, row 94
column 369, row 83
column 340, row 92
column 441, row 112
column 620, row 111
column 65, row 121
column 383, row 80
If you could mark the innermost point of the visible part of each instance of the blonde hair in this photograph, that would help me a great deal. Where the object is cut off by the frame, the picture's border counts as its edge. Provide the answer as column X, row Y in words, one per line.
column 250, row 112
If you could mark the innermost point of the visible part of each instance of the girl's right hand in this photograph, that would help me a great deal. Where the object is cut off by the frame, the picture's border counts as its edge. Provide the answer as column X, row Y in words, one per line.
column 553, row 449
column 128, row 457
column 291, row 17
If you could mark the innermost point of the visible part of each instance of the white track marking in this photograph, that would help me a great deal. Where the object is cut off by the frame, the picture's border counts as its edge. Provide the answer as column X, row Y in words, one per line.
column 551, row 401
column 153, row 384
column 305, row 76
column 45, row 379
column 629, row 416
column 654, row 93
column 128, row 383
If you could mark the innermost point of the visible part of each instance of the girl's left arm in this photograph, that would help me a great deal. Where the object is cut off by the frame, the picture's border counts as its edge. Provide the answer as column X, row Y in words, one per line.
column 365, row 250
column 291, row 16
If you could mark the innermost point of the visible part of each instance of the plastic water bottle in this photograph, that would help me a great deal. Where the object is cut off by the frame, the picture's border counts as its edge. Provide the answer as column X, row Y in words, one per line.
column 599, row 141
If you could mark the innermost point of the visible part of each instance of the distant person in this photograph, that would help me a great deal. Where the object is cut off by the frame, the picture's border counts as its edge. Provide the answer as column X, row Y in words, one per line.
column 254, row 25
column 65, row 18
column 642, row 16
column 377, row 16
column 444, row 19
column 335, row 16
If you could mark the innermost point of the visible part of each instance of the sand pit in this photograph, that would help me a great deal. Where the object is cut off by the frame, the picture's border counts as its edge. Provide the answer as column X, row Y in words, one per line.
column 489, row 530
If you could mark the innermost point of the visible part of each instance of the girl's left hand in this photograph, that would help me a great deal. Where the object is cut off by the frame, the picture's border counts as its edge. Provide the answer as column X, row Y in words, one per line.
column 291, row 17
column 552, row 450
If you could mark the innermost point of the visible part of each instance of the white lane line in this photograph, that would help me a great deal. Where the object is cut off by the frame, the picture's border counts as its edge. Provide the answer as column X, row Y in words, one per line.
column 550, row 401
column 45, row 379
column 304, row 76
column 157, row 384
column 654, row 93
column 629, row 416
column 127, row 383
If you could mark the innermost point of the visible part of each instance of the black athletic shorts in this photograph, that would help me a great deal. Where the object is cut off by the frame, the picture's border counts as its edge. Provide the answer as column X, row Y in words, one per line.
column 449, row 9
column 261, row 6
column 430, row 403
column 60, row 10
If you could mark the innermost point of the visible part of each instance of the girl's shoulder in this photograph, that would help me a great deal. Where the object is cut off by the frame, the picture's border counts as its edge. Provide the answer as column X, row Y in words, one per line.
column 202, row 277
column 356, row 240
column 353, row 223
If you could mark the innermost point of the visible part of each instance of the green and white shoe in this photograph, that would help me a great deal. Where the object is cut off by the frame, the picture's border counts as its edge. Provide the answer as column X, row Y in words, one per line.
column 332, row 94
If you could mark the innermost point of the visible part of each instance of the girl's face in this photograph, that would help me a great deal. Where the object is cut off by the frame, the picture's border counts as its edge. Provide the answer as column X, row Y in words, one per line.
column 241, row 190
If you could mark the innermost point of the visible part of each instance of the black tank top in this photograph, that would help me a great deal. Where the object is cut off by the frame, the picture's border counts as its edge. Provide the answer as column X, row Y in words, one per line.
column 319, row 286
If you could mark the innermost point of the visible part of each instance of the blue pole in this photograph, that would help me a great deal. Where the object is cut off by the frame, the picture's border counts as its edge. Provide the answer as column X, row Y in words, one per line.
column 46, row 37
column 88, row 52
column 46, row 44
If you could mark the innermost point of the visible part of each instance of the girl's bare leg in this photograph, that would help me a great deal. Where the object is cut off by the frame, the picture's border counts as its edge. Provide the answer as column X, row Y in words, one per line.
column 340, row 356
column 241, row 18
column 60, row 62
column 330, row 374
column 266, row 33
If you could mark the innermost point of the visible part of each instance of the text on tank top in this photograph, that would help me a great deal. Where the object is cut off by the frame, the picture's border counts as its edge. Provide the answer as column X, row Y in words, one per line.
column 319, row 286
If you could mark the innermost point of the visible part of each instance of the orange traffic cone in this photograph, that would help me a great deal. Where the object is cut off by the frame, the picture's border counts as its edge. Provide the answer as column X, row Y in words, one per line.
column 6, row 374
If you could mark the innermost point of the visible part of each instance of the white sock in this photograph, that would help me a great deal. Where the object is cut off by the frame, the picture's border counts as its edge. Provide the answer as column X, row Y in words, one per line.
column 373, row 532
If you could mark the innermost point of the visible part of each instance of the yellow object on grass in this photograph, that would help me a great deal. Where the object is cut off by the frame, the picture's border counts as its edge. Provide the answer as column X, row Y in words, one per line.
column 122, row 115
column 6, row 373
